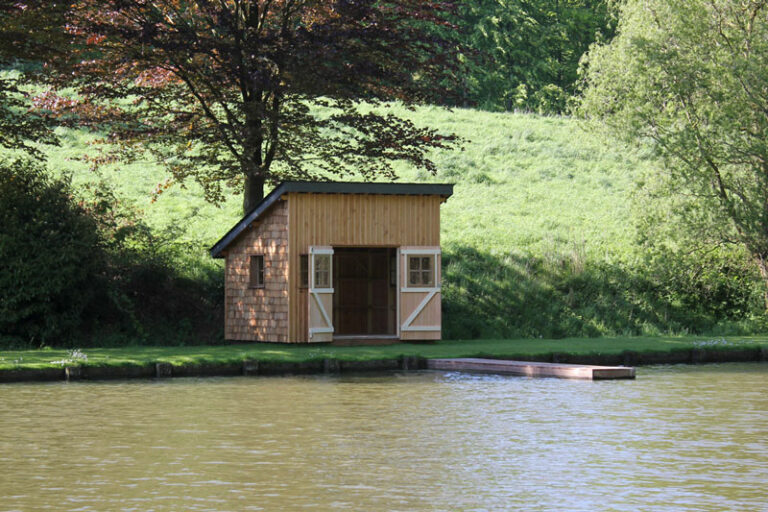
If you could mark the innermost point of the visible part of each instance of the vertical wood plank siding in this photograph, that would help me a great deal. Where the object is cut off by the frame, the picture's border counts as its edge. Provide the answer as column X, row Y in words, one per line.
column 352, row 220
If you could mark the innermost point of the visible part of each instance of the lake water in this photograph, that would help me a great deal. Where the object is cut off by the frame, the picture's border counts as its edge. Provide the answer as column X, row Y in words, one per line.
column 681, row 438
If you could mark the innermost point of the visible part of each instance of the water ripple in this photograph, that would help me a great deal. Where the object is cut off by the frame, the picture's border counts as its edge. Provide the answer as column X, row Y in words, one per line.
column 679, row 438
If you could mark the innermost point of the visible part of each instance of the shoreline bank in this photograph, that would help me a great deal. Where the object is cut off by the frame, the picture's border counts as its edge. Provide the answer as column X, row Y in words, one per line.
column 256, row 367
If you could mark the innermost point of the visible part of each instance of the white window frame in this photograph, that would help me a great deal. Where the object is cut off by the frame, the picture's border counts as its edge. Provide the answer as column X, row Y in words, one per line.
column 434, row 253
column 430, row 291
column 320, row 252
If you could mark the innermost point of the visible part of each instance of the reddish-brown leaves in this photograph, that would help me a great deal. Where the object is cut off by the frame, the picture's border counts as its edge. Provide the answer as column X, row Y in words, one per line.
column 261, row 89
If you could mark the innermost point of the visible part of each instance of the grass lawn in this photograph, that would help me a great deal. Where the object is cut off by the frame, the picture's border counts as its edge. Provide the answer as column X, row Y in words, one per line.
column 525, row 183
column 52, row 358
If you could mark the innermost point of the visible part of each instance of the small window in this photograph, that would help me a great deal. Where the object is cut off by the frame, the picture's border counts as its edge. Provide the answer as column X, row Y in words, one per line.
column 257, row 271
column 322, row 271
column 304, row 271
column 421, row 271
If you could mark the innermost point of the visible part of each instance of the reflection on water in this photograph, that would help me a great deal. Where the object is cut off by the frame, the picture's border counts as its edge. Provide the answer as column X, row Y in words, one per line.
column 678, row 438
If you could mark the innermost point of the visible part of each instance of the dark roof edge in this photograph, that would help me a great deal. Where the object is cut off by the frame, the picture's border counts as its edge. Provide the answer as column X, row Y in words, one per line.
column 329, row 187
column 403, row 189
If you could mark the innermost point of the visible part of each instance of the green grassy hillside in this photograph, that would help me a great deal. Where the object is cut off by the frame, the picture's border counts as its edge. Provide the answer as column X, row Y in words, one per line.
column 525, row 184
column 538, row 239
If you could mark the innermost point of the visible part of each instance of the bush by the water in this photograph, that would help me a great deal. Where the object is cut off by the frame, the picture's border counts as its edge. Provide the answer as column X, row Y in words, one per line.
column 80, row 272
column 50, row 252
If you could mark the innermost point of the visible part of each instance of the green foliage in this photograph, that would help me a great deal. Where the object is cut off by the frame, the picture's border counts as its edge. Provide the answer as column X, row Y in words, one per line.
column 527, row 53
column 690, row 76
column 235, row 94
column 18, row 127
column 51, row 256
column 692, row 270
column 152, row 292
column 29, row 31
column 517, row 296
column 149, row 302
column 78, row 272
column 539, row 239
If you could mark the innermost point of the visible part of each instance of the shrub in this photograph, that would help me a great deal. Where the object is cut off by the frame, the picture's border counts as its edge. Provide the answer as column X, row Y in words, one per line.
column 50, row 255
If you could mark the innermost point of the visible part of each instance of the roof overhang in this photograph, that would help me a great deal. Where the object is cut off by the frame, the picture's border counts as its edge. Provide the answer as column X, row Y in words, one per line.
column 328, row 187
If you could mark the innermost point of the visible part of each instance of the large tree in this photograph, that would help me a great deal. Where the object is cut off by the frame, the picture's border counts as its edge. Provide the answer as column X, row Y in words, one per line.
column 255, row 91
column 691, row 77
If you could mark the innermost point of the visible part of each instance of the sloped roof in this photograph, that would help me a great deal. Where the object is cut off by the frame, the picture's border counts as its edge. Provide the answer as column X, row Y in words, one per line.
column 329, row 187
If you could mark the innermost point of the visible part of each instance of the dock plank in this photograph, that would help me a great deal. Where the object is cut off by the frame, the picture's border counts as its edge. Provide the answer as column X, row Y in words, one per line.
column 532, row 369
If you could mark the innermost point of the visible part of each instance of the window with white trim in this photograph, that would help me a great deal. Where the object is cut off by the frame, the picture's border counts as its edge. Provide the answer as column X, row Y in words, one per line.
column 421, row 271
column 322, row 271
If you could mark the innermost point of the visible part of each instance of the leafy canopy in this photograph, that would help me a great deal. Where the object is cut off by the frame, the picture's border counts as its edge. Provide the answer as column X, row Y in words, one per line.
column 529, row 51
column 30, row 30
column 692, row 77
column 253, row 91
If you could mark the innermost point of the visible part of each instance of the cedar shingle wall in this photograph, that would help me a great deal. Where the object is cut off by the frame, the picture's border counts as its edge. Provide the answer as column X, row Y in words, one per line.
column 259, row 314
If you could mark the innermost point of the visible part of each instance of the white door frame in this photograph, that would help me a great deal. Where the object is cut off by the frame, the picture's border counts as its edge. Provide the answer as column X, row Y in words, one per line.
column 398, row 280
column 431, row 291
column 315, row 292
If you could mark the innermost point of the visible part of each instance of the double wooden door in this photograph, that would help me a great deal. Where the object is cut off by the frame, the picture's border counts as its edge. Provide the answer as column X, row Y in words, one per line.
column 363, row 291
column 365, row 298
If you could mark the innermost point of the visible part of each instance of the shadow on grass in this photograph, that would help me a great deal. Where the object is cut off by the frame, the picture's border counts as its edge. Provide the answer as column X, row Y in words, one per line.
column 513, row 296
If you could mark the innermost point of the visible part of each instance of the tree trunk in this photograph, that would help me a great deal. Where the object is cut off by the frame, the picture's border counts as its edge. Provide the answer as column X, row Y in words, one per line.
column 253, row 167
column 254, row 191
column 763, row 265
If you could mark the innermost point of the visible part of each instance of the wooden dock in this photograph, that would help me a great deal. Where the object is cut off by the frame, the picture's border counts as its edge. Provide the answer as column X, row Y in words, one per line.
column 531, row 369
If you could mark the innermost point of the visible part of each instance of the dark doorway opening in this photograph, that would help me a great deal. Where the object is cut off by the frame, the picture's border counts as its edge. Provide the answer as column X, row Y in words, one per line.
column 365, row 291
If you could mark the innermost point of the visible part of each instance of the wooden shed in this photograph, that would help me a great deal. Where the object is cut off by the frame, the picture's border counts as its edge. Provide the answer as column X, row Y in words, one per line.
column 323, row 262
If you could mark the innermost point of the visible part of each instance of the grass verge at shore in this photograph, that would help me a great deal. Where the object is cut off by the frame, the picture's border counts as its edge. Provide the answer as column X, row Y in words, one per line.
column 563, row 350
